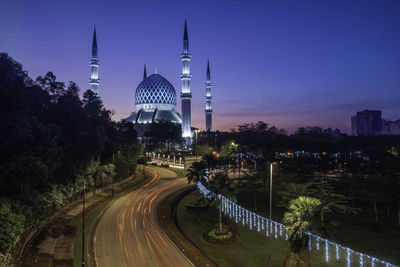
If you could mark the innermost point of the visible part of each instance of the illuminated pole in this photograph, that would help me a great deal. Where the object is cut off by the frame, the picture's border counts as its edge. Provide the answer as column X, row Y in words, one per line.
column 195, row 149
column 83, row 222
column 270, row 215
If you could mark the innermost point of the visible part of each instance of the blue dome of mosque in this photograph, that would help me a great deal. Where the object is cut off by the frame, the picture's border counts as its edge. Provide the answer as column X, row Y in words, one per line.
column 155, row 89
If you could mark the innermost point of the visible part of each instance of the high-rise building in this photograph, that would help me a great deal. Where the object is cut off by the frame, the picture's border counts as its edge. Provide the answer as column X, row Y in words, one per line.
column 186, row 95
column 391, row 127
column 366, row 122
column 208, row 109
column 94, row 66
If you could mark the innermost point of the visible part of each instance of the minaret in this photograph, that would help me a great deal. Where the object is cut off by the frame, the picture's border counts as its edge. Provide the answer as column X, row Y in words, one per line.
column 208, row 108
column 186, row 95
column 94, row 66
column 144, row 73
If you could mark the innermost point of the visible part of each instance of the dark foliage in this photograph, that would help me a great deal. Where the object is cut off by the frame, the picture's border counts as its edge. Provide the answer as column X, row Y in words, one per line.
column 51, row 140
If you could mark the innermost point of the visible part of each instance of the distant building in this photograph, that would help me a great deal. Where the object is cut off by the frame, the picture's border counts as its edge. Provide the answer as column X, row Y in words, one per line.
column 391, row 127
column 366, row 122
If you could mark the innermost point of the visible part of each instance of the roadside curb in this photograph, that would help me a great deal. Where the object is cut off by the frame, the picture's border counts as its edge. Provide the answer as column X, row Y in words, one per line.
column 166, row 218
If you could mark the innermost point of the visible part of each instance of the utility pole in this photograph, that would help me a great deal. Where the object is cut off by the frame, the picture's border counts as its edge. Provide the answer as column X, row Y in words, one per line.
column 270, row 215
column 113, row 177
column 83, row 222
column 195, row 151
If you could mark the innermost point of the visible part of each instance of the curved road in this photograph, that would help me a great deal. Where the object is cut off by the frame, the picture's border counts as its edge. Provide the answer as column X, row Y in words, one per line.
column 128, row 233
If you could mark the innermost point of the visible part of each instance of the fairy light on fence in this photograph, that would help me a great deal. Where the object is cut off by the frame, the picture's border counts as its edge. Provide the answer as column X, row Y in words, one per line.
column 254, row 221
column 236, row 214
column 326, row 251
column 348, row 258
column 337, row 252
column 251, row 223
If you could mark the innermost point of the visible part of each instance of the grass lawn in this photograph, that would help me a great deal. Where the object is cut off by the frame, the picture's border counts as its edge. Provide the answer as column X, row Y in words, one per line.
column 180, row 172
column 360, row 233
column 251, row 249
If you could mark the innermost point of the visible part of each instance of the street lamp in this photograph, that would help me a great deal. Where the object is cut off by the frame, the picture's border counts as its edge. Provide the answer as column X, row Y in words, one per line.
column 270, row 213
column 83, row 221
column 113, row 181
column 195, row 151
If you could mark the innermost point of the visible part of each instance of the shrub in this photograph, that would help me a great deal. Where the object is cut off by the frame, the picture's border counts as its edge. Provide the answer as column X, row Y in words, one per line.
column 220, row 235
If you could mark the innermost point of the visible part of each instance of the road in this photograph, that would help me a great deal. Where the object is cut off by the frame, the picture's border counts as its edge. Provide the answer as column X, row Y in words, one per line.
column 128, row 233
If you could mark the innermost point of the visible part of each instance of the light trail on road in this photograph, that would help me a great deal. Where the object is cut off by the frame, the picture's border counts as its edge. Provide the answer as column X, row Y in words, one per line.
column 128, row 233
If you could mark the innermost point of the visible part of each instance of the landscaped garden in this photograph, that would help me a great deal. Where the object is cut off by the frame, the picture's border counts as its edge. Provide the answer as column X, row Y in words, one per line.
column 347, row 200
column 251, row 247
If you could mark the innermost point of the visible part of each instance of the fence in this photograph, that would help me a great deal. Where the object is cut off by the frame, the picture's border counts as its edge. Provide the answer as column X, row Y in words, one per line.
column 261, row 224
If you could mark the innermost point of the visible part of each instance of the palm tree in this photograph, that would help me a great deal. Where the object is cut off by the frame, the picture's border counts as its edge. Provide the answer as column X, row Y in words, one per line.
column 196, row 172
column 298, row 220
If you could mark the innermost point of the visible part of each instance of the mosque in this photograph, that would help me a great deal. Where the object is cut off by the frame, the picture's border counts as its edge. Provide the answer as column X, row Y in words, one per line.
column 155, row 96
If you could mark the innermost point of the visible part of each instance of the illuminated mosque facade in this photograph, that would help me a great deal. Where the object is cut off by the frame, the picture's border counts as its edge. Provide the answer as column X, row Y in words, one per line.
column 155, row 96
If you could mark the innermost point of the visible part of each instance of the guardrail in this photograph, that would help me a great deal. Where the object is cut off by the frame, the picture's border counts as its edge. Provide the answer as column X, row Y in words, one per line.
column 255, row 221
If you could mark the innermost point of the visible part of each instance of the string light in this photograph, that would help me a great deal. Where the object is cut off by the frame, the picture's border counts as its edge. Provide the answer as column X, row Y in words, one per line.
column 337, row 252
column 251, row 224
column 236, row 213
column 240, row 214
column 348, row 258
column 326, row 251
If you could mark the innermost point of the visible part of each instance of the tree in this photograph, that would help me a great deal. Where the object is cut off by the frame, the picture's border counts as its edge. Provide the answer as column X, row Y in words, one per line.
column 163, row 134
column 299, row 220
column 291, row 191
column 12, row 226
column 196, row 172
column 330, row 202
column 51, row 140
column 51, row 85
column 252, row 183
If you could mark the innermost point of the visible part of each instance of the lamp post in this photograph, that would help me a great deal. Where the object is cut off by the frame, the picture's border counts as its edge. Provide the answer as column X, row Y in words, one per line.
column 113, row 178
column 270, row 214
column 83, row 222
column 195, row 149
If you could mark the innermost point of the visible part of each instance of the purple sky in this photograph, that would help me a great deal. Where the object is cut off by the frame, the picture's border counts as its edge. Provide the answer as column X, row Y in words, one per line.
column 289, row 63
